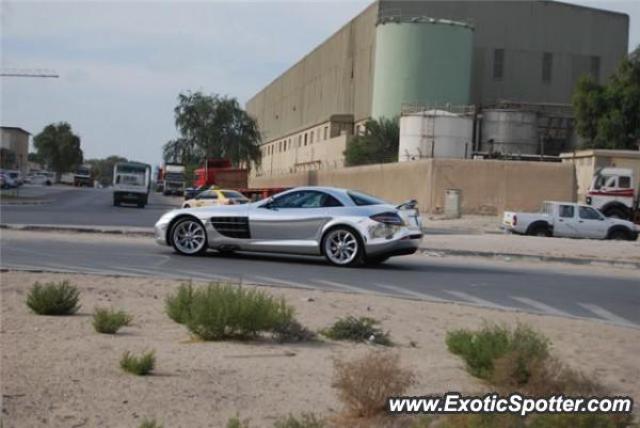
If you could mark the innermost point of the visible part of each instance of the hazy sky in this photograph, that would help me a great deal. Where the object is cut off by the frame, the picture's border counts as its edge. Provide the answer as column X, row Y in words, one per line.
column 122, row 64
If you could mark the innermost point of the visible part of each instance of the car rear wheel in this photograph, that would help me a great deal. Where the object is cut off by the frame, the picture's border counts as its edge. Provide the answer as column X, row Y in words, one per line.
column 342, row 247
column 189, row 237
column 539, row 230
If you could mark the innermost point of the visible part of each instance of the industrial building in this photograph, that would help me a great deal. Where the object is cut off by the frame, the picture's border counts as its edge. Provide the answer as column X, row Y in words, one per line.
column 14, row 145
column 489, row 59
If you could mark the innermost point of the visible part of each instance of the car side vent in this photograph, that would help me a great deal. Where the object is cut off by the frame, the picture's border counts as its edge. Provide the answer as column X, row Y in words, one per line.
column 232, row 227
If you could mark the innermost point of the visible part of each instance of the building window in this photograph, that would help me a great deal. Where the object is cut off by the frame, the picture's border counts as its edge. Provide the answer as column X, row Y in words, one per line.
column 305, row 138
column 594, row 68
column 498, row 64
column 547, row 65
column 326, row 130
column 311, row 138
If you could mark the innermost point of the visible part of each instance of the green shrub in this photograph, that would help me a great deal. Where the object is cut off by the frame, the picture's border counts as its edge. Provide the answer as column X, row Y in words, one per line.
column 306, row 420
column 479, row 349
column 109, row 321
column 149, row 423
column 141, row 366
column 221, row 311
column 235, row 422
column 292, row 331
column 53, row 298
column 178, row 305
column 361, row 329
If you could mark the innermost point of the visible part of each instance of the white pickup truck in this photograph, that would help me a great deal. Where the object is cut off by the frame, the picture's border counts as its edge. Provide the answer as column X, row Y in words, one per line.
column 570, row 220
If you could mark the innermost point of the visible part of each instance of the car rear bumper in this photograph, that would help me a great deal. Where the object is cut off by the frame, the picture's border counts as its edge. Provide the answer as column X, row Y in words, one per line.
column 403, row 245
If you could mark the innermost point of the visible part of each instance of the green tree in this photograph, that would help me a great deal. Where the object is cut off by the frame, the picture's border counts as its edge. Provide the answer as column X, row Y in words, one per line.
column 378, row 144
column 215, row 126
column 102, row 169
column 58, row 147
column 608, row 116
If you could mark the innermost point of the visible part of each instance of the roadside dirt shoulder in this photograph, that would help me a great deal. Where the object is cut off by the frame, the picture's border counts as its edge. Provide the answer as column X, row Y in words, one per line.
column 56, row 371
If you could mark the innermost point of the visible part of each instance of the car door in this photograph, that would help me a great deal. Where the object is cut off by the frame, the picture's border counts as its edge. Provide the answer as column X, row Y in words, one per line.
column 206, row 198
column 297, row 215
column 566, row 221
column 591, row 223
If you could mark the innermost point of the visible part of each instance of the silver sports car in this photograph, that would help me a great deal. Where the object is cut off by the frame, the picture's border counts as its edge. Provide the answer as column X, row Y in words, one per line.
column 344, row 226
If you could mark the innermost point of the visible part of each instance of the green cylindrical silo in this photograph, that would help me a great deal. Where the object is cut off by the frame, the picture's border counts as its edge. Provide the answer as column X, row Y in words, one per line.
column 421, row 61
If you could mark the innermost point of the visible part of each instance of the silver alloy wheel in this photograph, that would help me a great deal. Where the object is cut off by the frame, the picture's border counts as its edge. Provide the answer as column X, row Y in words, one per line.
column 189, row 237
column 341, row 246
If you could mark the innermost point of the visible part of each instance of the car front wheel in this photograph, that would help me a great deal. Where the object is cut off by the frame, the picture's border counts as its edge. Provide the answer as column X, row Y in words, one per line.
column 189, row 237
column 342, row 247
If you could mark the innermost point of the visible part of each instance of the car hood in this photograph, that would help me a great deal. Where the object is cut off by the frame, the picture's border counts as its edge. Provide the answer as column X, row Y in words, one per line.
column 621, row 222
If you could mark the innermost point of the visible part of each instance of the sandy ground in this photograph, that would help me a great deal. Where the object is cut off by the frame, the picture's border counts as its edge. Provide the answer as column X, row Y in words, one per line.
column 56, row 371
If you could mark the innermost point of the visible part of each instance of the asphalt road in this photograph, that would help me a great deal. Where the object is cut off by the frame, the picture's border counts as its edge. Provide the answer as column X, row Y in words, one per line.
column 67, row 205
column 549, row 289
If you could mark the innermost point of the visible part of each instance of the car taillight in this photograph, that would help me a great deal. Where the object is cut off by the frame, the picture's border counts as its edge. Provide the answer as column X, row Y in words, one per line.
column 515, row 220
column 388, row 218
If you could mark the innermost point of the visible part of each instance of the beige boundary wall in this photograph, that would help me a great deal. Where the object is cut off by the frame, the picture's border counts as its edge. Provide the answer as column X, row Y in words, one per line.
column 488, row 186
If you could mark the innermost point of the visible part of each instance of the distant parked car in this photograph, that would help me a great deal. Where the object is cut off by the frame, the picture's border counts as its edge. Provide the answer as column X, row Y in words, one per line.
column 571, row 220
column 346, row 227
column 6, row 181
column 216, row 197
column 39, row 178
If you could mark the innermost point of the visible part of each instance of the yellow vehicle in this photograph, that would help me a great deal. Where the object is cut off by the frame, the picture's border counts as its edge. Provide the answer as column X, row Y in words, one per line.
column 216, row 197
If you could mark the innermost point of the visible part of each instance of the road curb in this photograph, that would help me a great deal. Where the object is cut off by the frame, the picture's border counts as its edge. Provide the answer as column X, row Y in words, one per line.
column 79, row 229
column 9, row 203
column 529, row 257
column 427, row 251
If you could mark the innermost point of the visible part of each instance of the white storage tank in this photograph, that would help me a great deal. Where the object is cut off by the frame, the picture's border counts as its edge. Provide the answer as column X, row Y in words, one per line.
column 510, row 131
column 435, row 133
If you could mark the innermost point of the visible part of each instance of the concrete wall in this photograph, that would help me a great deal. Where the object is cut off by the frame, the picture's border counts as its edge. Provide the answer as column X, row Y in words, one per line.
column 337, row 76
column 488, row 186
column 586, row 162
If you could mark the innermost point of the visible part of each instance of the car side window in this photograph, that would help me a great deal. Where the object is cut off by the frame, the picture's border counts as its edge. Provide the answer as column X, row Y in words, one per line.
column 624, row 182
column 208, row 194
column 567, row 211
column 329, row 201
column 306, row 199
column 588, row 213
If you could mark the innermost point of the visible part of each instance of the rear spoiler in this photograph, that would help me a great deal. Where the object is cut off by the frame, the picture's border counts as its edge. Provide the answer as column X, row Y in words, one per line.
column 410, row 205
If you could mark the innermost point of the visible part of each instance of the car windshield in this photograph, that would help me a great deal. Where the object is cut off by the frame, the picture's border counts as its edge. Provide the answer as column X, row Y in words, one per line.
column 233, row 194
column 362, row 199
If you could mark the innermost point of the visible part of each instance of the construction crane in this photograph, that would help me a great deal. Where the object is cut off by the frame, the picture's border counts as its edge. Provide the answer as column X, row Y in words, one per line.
column 23, row 72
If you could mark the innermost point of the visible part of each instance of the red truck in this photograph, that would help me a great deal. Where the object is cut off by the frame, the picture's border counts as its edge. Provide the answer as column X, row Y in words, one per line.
column 221, row 173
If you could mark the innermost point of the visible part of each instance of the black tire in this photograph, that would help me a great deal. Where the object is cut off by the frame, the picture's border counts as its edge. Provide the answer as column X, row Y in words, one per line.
column 187, row 206
column 541, row 230
column 141, row 204
column 116, row 202
column 356, row 257
column 182, row 225
column 620, row 234
column 616, row 212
